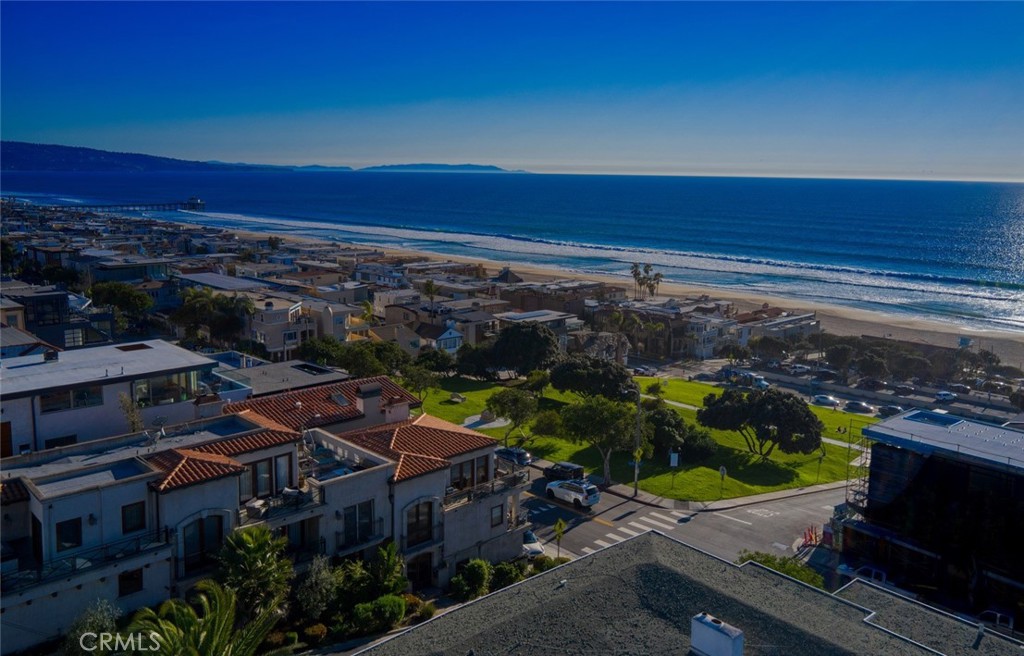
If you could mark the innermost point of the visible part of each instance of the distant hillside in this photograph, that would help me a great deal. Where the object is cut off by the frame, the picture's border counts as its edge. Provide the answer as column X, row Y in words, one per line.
column 21, row 156
column 452, row 168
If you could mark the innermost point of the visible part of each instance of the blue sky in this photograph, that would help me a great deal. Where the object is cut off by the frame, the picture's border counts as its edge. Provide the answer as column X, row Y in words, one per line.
column 911, row 90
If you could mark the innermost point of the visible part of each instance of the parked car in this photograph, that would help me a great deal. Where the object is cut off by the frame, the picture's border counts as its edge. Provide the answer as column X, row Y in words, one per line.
column 904, row 390
column 515, row 454
column 532, row 547
column 579, row 493
column 826, row 374
column 871, row 384
column 799, row 369
column 946, row 397
column 889, row 411
column 564, row 471
column 859, row 406
column 825, row 399
column 959, row 388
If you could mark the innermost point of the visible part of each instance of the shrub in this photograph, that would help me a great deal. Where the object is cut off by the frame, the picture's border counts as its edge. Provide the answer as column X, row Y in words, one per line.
column 785, row 565
column 544, row 563
column 275, row 639
column 388, row 611
column 427, row 611
column 319, row 589
column 100, row 617
column 412, row 604
column 505, row 574
column 315, row 634
column 477, row 574
column 458, row 588
column 292, row 638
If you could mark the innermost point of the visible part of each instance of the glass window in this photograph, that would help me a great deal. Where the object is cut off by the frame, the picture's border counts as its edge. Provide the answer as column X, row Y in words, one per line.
column 462, row 475
column 282, row 472
column 419, row 521
column 482, row 473
column 87, row 397
column 202, row 540
column 129, row 582
column 69, row 534
column 54, row 401
column 497, row 514
column 245, row 485
column 261, row 474
column 133, row 517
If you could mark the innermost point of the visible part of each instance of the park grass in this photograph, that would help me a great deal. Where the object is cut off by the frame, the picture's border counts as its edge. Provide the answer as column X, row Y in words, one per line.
column 746, row 473
column 681, row 391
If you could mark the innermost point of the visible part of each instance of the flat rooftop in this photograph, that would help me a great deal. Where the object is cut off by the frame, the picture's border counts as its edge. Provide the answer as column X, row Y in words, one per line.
column 283, row 376
column 925, row 431
column 30, row 374
column 638, row 597
column 220, row 281
column 535, row 315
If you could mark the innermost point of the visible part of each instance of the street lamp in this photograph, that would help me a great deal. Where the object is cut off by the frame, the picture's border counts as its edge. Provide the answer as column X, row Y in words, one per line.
column 636, row 447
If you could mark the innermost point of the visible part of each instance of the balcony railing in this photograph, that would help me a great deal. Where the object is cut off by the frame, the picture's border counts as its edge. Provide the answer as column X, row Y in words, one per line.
column 281, row 505
column 349, row 540
column 423, row 540
column 496, row 486
column 85, row 560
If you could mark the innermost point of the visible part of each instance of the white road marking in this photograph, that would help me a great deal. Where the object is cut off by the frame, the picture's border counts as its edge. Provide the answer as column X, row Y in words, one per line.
column 601, row 543
column 678, row 514
column 667, row 527
column 809, row 512
column 829, row 507
column 780, row 546
column 736, row 520
column 627, row 531
column 615, row 537
column 587, row 550
column 662, row 517
column 762, row 512
column 643, row 529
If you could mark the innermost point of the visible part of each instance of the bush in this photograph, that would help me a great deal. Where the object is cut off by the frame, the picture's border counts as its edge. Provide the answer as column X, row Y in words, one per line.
column 459, row 589
column 427, row 610
column 315, row 634
column 319, row 589
column 275, row 639
column 379, row 615
column 291, row 638
column 100, row 617
column 544, row 563
column 412, row 604
column 477, row 574
column 505, row 574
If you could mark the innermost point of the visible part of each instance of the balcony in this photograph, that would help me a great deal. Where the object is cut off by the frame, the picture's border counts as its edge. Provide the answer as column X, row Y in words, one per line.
column 349, row 541
column 83, row 561
column 287, row 503
column 418, row 541
column 498, row 485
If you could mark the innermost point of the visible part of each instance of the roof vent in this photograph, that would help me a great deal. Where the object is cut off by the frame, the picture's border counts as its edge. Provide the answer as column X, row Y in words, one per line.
column 269, row 305
column 710, row 636
column 298, row 405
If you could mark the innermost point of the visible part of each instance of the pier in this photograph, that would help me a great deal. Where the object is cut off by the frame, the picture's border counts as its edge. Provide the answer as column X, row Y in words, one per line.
column 192, row 204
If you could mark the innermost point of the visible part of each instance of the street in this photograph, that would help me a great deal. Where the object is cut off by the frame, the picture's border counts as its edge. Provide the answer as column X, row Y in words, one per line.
column 774, row 526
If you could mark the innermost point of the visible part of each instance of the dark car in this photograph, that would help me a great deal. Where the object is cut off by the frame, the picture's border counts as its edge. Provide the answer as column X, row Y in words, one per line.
column 859, row 406
column 904, row 390
column 515, row 455
column 889, row 411
column 564, row 471
column 959, row 388
column 870, row 384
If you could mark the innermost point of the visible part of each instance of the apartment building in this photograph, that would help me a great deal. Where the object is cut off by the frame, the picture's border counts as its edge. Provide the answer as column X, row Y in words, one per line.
column 280, row 325
column 60, row 398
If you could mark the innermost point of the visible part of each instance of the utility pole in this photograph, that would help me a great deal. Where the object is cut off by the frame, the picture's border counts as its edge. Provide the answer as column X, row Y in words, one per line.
column 636, row 447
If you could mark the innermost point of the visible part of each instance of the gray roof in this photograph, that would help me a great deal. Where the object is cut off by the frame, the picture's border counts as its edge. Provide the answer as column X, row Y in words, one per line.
column 638, row 597
column 31, row 374
column 220, row 281
column 927, row 432
column 284, row 376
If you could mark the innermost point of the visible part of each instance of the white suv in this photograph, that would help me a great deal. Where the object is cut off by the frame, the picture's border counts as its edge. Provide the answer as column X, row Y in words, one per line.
column 579, row 493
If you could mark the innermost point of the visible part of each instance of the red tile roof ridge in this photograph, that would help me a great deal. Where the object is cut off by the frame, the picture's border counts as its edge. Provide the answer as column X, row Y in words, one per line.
column 176, row 472
column 264, row 421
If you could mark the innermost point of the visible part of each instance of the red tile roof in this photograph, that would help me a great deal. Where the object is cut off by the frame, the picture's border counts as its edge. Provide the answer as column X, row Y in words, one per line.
column 317, row 406
column 12, row 491
column 262, row 440
column 184, row 467
column 420, row 445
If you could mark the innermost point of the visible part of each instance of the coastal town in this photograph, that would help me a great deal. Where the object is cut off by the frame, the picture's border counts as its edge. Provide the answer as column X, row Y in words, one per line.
column 353, row 439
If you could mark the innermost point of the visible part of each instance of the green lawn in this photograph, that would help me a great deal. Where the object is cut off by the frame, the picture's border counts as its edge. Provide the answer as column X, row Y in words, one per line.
column 681, row 391
column 746, row 474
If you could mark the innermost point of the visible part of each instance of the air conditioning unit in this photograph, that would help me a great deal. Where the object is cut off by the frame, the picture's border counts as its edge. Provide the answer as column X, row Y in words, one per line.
column 710, row 636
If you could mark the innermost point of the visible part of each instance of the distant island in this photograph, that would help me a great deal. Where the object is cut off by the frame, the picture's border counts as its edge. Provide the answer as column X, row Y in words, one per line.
column 23, row 156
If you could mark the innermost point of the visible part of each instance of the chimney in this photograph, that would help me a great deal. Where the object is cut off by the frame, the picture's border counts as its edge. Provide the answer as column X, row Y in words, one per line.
column 710, row 636
column 368, row 400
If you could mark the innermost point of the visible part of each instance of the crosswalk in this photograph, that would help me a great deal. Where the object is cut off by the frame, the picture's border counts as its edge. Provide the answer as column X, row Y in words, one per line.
column 667, row 520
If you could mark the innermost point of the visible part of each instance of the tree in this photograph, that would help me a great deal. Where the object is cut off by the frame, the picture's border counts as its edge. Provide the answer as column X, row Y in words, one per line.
column 734, row 352
column 537, row 381
column 590, row 376
column 55, row 274
column 505, row 574
column 100, row 617
column 765, row 419
column 768, row 346
column 359, row 360
column 474, row 581
column 419, row 380
column 318, row 591
column 1017, row 398
column 321, row 350
column 669, row 432
column 784, row 565
column 384, row 572
column 634, row 270
column 430, row 289
column 437, row 360
column 559, row 529
column 229, row 316
column 872, row 366
column 252, row 563
column 8, row 256
column 274, row 243
column 548, row 423
column 131, row 413
column 122, row 296
column 181, row 631
column 390, row 355
column 474, row 361
column 606, row 425
column 197, row 306
column 840, row 356
column 367, row 315
column 524, row 347
column 516, row 405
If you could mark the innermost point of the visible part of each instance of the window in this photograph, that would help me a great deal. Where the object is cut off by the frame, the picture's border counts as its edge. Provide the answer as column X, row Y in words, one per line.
column 245, row 485
column 73, row 337
column 69, row 534
column 133, row 517
column 54, row 402
column 419, row 522
column 282, row 472
column 497, row 515
column 87, row 397
column 161, row 390
column 462, row 475
column 203, row 539
column 261, row 476
column 358, row 524
column 482, row 465
column 129, row 582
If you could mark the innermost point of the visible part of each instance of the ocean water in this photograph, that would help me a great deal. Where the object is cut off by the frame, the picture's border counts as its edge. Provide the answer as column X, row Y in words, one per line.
column 947, row 251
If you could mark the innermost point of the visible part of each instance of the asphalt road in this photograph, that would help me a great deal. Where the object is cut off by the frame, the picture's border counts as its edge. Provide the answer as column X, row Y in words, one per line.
column 775, row 526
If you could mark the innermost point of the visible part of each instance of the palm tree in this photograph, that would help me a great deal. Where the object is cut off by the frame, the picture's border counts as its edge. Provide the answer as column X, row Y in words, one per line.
column 385, row 572
column 367, row 315
column 198, row 304
column 252, row 563
column 633, row 323
column 430, row 289
column 634, row 269
column 654, row 283
column 181, row 631
column 645, row 281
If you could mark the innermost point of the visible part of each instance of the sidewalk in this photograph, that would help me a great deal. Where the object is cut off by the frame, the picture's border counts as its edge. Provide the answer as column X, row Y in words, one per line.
column 626, row 492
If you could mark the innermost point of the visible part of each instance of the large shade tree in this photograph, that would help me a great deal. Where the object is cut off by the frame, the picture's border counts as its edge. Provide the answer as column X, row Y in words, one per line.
column 766, row 420
column 523, row 347
column 516, row 405
column 590, row 376
column 604, row 424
